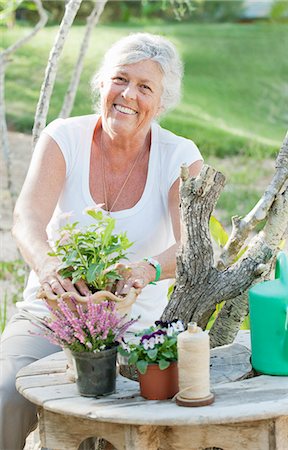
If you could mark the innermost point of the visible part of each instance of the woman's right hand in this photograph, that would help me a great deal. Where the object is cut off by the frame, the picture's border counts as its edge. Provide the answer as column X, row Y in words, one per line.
column 53, row 283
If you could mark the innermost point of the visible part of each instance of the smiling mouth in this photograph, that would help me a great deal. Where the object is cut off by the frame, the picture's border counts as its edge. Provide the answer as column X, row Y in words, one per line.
column 125, row 110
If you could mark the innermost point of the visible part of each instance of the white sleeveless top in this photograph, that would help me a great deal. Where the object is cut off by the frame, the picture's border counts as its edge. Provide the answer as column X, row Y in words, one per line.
column 148, row 223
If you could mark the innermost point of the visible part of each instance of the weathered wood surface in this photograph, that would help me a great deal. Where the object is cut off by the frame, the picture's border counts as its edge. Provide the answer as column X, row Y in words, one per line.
column 45, row 383
column 250, row 414
column 69, row 433
column 253, row 399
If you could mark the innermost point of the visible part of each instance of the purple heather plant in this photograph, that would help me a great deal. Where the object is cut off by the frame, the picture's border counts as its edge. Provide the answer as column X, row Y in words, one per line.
column 91, row 328
column 157, row 345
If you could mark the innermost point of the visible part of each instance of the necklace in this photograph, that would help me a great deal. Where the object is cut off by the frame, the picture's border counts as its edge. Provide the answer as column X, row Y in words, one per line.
column 109, row 210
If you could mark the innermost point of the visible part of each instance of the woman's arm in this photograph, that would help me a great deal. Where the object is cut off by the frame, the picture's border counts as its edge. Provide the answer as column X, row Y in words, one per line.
column 34, row 209
column 141, row 273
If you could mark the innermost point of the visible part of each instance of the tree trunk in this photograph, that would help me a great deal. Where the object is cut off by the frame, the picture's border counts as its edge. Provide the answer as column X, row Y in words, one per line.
column 201, row 284
column 72, row 90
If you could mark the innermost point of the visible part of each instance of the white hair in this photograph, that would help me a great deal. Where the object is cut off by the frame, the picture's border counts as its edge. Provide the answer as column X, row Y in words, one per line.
column 138, row 47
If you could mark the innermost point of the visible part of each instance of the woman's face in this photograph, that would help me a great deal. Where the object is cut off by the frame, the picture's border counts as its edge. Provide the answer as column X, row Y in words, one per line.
column 131, row 98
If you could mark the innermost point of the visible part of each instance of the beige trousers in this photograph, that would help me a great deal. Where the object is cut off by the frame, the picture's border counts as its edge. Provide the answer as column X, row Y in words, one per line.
column 18, row 349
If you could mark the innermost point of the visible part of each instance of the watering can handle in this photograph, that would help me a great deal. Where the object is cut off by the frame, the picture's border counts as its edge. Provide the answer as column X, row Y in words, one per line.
column 281, row 269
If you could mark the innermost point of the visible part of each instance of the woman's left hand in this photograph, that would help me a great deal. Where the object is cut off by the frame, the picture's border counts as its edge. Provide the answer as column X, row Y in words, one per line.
column 136, row 275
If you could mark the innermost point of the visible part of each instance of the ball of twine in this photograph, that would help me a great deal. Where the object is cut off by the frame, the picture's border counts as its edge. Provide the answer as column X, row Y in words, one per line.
column 194, row 364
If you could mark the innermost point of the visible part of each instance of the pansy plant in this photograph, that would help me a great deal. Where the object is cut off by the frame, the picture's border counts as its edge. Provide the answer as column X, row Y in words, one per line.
column 157, row 345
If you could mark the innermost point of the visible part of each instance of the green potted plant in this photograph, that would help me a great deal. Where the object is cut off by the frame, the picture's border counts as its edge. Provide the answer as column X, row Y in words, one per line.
column 155, row 357
column 90, row 253
column 92, row 334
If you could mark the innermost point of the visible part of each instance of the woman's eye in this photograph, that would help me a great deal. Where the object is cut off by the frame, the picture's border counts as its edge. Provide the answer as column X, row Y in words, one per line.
column 145, row 87
column 119, row 80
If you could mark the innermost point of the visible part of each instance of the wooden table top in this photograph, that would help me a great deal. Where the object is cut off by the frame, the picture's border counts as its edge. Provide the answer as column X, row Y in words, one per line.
column 45, row 383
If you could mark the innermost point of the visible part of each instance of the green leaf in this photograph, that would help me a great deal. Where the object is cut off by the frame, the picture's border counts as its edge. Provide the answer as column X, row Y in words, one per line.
column 97, row 215
column 172, row 341
column 142, row 366
column 76, row 277
column 242, row 251
column 152, row 354
column 281, row 244
column 218, row 232
column 163, row 364
column 94, row 271
column 133, row 358
column 91, row 273
column 122, row 351
column 108, row 232
column 113, row 275
column 168, row 354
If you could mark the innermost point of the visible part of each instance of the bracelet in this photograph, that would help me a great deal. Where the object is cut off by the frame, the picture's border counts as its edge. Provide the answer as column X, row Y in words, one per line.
column 157, row 267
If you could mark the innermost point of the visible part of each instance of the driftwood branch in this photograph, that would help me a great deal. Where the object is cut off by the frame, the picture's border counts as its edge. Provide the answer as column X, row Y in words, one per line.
column 51, row 69
column 241, row 228
column 200, row 286
column 234, row 311
column 92, row 20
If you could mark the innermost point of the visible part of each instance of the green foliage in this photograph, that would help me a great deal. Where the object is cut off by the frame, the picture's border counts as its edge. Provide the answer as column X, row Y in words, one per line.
column 218, row 233
column 141, row 11
column 13, row 273
column 3, row 312
column 218, row 11
column 244, row 326
column 91, row 252
column 220, row 236
column 12, row 277
column 279, row 10
column 157, row 345
column 10, row 10
column 234, row 97
column 229, row 105
column 180, row 8
column 7, row 12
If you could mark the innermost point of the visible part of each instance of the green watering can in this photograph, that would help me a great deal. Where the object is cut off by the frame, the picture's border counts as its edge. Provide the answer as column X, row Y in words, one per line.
column 268, row 302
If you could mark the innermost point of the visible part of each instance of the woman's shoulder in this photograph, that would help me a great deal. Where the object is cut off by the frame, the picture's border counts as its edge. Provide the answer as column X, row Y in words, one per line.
column 169, row 140
column 71, row 124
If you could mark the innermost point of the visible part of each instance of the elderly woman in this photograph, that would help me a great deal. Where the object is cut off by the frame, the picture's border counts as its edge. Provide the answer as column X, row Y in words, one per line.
column 120, row 158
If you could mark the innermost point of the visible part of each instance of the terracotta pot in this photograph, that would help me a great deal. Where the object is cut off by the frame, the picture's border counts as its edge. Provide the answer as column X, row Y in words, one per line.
column 158, row 384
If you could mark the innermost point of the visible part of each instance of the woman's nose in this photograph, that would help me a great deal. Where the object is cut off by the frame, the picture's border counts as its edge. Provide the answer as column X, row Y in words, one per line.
column 129, row 92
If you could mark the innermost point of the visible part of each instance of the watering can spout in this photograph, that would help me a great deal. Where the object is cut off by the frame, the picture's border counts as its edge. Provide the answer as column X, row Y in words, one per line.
column 268, row 303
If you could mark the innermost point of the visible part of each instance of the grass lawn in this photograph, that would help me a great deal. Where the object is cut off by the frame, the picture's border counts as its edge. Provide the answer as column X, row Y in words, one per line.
column 234, row 103
column 235, row 92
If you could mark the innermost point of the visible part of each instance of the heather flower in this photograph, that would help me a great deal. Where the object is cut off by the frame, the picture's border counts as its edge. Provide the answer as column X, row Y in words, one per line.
column 91, row 328
column 157, row 345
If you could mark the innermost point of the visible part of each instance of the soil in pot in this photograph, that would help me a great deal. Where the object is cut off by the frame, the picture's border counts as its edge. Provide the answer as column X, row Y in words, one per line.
column 157, row 384
column 96, row 372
